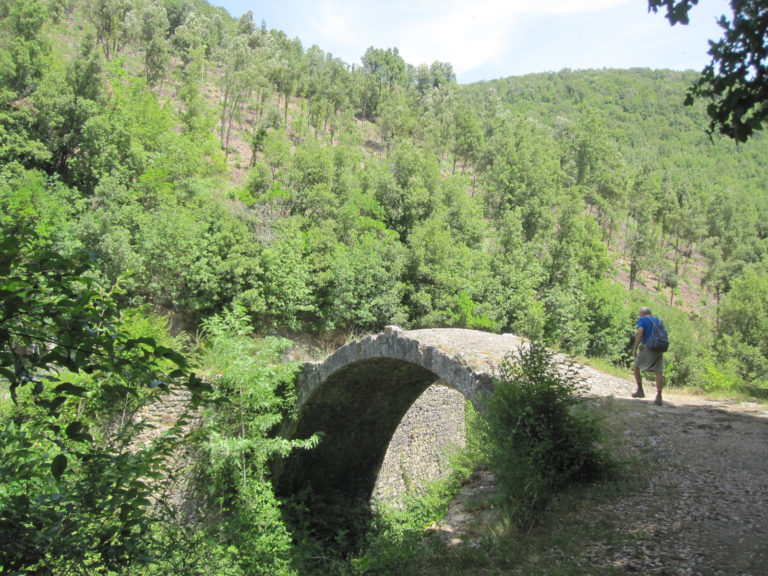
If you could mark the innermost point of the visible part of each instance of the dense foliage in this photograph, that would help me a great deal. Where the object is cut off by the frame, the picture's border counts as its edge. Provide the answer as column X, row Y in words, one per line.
column 237, row 527
column 540, row 437
column 167, row 169
column 329, row 198
column 76, row 479
column 735, row 80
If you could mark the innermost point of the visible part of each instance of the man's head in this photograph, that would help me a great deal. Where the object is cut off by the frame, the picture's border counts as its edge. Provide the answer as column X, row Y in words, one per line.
column 644, row 311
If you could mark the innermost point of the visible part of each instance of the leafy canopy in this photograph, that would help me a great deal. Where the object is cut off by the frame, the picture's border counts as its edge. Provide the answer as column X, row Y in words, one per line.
column 78, row 370
column 736, row 80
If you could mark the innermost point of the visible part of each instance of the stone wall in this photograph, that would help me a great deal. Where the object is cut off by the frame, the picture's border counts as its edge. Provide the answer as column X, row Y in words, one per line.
column 421, row 447
column 391, row 409
column 359, row 395
column 425, row 375
column 160, row 416
column 419, row 451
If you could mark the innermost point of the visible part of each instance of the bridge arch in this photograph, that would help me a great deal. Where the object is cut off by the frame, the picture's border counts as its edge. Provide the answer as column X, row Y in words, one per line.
column 357, row 397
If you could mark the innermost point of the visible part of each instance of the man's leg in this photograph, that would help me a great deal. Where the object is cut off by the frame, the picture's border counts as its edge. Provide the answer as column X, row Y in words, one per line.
column 639, row 381
column 659, row 386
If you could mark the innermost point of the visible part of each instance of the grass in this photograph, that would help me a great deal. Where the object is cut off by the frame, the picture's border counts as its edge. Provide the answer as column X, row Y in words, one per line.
column 605, row 366
column 719, row 383
column 556, row 546
column 740, row 393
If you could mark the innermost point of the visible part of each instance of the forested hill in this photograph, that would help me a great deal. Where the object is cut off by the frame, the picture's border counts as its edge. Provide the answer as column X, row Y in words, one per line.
column 206, row 162
column 178, row 187
column 643, row 112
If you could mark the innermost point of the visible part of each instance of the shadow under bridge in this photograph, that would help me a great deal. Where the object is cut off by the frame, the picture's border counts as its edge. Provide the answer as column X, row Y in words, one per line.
column 359, row 394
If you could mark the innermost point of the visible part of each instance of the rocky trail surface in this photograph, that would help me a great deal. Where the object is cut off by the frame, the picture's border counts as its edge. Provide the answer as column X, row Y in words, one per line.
column 698, row 503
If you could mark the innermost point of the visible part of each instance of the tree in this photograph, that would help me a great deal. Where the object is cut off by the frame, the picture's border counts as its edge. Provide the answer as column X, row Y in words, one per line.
column 517, row 273
column 639, row 249
column 469, row 137
column 366, row 289
column 442, row 274
column 22, row 45
column 241, row 510
column 736, row 80
column 310, row 181
column 237, row 84
column 405, row 190
column 197, row 119
column 742, row 332
column 151, row 30
column 639, row 227
column 397, row 117
column 383, row 69
column 524, row 172
column 24, row 59
column 76, row 485
column 126, row 138
column 288, row 281
column 437, row 121
column 598, row 169
column 338, row 92
column 109, row 17
column 286, row 74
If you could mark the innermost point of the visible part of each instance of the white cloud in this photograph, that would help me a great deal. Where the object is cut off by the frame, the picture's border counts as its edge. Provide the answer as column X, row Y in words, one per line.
column 491, row 38
column 468, row 35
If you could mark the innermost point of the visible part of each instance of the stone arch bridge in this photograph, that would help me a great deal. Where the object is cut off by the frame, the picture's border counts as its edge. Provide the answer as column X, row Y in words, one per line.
column 358, row 396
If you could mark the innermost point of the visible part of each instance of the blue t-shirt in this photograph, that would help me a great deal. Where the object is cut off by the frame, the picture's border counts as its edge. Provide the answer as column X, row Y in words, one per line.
column 646, row 323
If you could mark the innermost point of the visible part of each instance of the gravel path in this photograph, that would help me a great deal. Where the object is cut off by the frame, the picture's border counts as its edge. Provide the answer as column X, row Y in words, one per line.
column 701, row 506
column 704, row 506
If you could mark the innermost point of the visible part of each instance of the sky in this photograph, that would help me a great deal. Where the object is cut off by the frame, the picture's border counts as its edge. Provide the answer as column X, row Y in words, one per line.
column 487, row 39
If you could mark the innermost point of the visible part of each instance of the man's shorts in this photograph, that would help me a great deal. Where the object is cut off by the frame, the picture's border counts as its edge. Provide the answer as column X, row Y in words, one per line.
column 649, row 361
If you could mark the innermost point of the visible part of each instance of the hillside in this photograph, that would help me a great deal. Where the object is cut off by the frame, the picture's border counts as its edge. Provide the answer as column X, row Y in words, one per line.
column 644, row 131
column 181, row 190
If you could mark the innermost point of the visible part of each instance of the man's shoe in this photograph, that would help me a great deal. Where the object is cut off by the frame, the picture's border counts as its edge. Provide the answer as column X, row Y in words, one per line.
column 638, row 394
column 657, row 401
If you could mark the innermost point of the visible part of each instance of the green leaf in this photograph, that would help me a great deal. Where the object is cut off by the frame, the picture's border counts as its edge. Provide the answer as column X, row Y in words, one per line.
column 71, row 389
column 77, row 432
column 56, row 404
column 74, row 428
column 58, row 466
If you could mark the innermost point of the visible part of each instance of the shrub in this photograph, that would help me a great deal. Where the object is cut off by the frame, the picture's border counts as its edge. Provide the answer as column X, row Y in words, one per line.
column 79, row 481
column 541, row 437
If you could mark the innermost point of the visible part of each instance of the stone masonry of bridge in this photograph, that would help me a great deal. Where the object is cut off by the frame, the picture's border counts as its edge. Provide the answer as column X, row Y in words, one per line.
column 398, row 394
column 391, row 407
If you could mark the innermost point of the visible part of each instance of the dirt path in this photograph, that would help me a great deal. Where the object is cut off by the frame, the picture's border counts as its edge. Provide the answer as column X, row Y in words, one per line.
column 702, row 508
column 699, row 503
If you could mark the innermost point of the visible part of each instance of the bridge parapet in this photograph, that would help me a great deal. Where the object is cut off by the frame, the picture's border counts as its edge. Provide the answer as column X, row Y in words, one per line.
column 463, row 359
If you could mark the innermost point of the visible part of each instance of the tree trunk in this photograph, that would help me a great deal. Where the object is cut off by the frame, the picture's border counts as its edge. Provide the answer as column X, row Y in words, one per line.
column 224, row 103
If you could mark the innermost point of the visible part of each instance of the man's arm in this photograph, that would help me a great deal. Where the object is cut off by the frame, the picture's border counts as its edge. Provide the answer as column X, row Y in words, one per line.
column 638, row 339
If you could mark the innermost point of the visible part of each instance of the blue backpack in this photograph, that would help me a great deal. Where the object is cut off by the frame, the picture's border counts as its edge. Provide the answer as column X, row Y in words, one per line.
column 658, row 341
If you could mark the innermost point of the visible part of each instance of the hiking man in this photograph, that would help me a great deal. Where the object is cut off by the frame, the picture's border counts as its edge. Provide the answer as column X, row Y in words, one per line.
column 646, row 360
